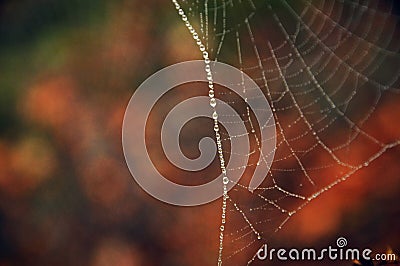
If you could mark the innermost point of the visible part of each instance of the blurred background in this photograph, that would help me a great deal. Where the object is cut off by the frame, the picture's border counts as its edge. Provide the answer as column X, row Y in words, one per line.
column 67, row 71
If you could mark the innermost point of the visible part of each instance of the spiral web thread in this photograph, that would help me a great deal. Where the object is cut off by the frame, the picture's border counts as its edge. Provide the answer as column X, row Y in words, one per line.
column 326, row 68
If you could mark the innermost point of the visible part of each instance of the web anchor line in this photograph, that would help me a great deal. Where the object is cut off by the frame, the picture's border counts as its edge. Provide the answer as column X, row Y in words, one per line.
column 213, row 104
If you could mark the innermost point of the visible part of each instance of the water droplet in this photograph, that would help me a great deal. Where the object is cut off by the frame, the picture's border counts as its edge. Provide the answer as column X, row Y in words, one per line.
column 211, row 94
column 215, row 115
column 216, row 128
column 213, row 102
column 225, row 180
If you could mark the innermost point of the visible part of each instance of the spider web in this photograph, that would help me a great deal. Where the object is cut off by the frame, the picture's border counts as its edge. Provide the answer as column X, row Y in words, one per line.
column 326, row 68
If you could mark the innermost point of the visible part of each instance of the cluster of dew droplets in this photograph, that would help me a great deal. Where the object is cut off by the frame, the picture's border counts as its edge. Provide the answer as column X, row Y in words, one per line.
column 213, row 104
